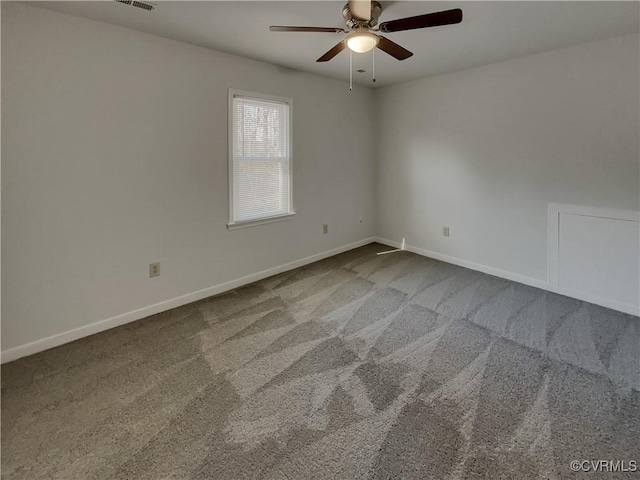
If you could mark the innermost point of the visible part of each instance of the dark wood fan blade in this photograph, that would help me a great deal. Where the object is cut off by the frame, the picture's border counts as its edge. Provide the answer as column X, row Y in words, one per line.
column 448, row 17
column 333, row 52
column 393, row 49
column 360, row 9
column 281, row 28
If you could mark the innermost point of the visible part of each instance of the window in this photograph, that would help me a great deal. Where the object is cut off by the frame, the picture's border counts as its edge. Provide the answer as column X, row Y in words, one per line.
column 259, row 159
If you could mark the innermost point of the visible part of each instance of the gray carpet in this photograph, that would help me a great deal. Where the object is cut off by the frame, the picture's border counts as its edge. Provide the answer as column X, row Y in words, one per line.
column 355, row 367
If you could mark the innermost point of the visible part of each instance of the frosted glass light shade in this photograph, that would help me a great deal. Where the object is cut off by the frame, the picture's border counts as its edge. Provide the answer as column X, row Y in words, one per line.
column 362, row 42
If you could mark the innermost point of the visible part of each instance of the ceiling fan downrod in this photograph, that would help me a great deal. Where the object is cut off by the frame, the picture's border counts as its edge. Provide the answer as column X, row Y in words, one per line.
column 363, row 31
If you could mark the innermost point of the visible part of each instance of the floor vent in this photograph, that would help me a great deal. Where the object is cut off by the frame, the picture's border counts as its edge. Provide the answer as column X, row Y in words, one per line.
column 135, row 3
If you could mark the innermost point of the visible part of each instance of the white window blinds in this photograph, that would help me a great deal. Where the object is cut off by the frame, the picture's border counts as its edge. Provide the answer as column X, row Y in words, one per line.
column 260, row 159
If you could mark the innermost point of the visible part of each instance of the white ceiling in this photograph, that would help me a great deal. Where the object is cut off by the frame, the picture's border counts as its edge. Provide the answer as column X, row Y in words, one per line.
column 490, row 31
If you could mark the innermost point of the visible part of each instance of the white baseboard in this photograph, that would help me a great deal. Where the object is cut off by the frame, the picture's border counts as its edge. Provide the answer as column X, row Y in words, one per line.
column 102, row 325
column 555, row 210
column 532, row 282
column 603, row 302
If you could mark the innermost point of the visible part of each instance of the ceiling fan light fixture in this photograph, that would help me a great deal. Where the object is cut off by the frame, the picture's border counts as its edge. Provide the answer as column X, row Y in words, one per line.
column 362, row 42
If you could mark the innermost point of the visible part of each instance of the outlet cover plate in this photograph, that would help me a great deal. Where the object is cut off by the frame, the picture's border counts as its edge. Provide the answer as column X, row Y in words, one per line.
column 154, row 269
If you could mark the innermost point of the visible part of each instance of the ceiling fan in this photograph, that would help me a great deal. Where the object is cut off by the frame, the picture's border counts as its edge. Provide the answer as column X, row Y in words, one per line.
column 361, row 17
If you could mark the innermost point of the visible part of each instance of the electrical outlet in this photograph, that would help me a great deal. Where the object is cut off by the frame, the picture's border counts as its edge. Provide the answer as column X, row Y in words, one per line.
column 154, row 269
column 445, row 231
column 325, row 228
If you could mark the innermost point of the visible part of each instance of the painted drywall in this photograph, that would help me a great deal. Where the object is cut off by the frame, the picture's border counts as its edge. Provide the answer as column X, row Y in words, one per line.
column 599, row 258
column 114, row 155
column 485, row 150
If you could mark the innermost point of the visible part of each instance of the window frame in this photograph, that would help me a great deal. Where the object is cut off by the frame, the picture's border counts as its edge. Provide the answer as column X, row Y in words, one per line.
column 233, row 225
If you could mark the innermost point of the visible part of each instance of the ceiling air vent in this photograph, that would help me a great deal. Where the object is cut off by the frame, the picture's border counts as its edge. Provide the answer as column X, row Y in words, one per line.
column 136, row 3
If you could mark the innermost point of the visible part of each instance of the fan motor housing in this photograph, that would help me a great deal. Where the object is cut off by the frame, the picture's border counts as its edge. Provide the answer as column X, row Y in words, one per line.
column 376, row 10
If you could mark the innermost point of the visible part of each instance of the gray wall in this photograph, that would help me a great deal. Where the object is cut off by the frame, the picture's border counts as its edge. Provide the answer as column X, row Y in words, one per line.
column 484, row 151
column 114, row 150
column 115, row 156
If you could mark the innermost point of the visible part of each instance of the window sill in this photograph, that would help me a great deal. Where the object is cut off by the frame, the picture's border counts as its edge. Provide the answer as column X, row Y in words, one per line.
column 260, row 221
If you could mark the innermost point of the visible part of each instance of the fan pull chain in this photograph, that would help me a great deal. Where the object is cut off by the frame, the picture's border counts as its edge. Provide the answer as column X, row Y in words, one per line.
column 374, row 65
column 350, row 70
